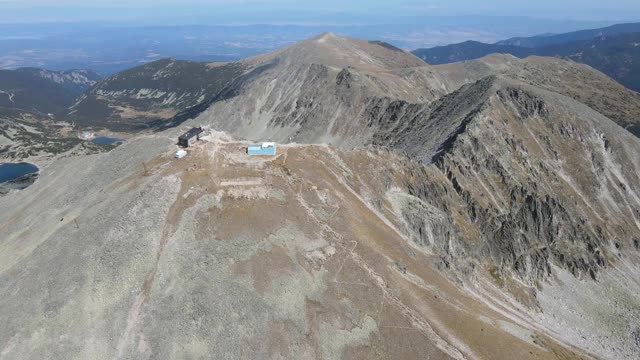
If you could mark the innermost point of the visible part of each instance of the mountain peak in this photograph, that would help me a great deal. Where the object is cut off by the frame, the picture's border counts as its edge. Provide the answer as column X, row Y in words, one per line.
column 340, row 52
column 325, row 36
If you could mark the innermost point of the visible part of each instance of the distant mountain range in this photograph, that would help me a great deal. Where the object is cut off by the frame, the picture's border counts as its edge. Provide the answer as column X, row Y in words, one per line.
column 31, row 103
column 152, row 92
column 614, row 50
column 555, row 39
column 110, row 47
column 43, row 91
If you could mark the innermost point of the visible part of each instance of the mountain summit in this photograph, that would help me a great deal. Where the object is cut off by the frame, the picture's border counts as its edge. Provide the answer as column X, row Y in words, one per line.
column 320, row 90
column 340, row 52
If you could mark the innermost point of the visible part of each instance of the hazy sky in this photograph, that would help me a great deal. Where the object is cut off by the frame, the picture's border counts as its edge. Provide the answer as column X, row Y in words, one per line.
column 296, row 11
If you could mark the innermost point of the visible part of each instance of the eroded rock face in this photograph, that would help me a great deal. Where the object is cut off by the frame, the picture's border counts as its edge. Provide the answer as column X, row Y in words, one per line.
column 539, row 193
column 538, row 186
column 18, row 184
column 564, row 77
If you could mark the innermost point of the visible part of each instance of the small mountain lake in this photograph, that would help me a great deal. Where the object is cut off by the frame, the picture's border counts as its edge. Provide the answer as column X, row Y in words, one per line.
column 12, row 171
column 106, row 140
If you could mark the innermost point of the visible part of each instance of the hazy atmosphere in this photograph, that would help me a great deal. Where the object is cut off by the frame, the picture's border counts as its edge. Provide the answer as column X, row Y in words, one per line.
column 108, row 36
column 208, row 12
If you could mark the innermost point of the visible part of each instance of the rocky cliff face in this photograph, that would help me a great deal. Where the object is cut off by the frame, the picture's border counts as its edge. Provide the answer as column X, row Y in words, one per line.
column 537, row 185
column 564, row 77
column 78, row 79
column 543, row 179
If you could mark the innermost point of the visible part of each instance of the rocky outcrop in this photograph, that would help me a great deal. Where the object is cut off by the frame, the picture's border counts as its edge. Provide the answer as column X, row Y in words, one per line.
column 18, row 184
column 578, row 81
column 532, row 203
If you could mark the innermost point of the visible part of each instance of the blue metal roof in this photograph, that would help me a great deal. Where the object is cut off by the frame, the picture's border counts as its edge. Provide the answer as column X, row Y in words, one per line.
column 261, row 149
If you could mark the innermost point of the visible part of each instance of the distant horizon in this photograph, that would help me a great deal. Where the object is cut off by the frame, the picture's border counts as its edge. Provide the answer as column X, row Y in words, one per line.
column 111, row 46
column 132, row 23
column 358, row 12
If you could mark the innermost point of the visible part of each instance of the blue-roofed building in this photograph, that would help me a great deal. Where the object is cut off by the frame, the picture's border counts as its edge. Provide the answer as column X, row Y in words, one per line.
column 266, row 148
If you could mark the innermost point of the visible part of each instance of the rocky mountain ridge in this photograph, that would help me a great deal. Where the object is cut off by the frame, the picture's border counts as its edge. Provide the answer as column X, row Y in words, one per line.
column 614, row 52
column 32, row 107
column 580, row 35
column 43, row 91
column 156, row 91
column 577, row 81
